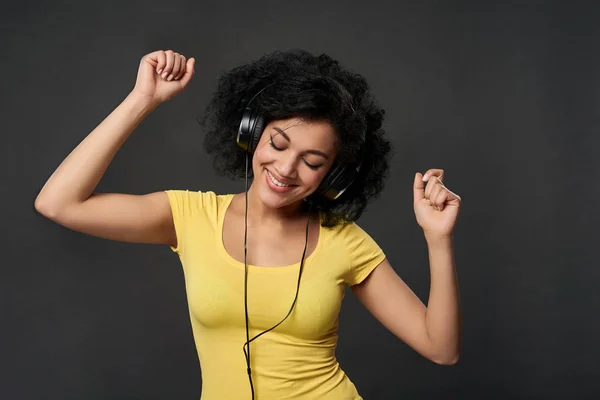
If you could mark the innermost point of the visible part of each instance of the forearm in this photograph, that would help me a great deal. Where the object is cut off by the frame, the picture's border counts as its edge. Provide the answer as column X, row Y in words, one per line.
column 443, row 310
column 78, row 175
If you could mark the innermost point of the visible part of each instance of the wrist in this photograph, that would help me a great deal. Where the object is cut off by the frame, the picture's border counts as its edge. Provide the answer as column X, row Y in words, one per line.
column 142, row 102
column 438, row 240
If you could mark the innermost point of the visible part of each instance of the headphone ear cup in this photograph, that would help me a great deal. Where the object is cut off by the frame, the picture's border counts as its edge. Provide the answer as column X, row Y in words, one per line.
column 250, row 130
column 336, row 181
column 244, row 135
column 256, row 133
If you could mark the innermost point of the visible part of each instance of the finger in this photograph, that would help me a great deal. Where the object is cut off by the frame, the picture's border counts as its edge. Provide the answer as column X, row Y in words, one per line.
column 169, row 64
column 452, row 197
column 160, row 59
column 176, row 66
column 182, row 67
column 418, row 187
column 440, row 199
column 189, row 72
column 431, row 184
column 150, row 59
column 433, row 172
column 434, row 194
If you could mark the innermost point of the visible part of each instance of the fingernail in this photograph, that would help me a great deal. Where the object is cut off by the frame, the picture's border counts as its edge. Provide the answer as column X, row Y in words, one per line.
column 170, row 77
column 164, row 75
column 159, row 71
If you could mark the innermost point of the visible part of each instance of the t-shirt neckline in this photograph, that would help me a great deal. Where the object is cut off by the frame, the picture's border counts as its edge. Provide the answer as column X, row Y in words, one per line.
column 240, row 264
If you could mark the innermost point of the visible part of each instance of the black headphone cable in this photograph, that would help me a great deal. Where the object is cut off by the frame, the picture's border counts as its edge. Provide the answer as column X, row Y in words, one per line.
column 248, row 340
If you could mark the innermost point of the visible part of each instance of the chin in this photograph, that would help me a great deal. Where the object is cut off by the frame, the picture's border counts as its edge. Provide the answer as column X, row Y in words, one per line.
column 276, row 200
column 273, row 199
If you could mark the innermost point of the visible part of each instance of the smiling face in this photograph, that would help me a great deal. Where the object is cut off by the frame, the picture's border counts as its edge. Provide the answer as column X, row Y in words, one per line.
column 290, row 161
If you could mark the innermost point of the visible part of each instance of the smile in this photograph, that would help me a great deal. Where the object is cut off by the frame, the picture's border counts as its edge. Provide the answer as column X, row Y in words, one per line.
column 276, row 182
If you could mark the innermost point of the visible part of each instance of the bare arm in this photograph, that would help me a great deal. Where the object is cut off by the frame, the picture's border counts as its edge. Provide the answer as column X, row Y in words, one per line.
column 443, row 308
column 78, row 175
column 67, row 197
column 432, row 330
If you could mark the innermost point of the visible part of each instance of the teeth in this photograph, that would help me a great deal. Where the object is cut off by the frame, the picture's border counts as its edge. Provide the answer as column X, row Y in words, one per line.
column 275, row 181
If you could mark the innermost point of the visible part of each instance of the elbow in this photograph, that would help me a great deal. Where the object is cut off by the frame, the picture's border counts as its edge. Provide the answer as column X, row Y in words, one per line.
column 39, row 206
column 44, row 209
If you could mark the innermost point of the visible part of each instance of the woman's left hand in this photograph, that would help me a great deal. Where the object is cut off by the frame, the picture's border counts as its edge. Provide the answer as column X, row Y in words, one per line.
column 436, row 207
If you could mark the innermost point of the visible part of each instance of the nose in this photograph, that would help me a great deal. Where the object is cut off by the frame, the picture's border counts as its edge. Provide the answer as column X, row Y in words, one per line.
column 287, row 166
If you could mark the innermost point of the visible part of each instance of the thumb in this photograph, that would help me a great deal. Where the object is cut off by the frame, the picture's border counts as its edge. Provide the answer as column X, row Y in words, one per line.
column 418, row 188
column 189, row 72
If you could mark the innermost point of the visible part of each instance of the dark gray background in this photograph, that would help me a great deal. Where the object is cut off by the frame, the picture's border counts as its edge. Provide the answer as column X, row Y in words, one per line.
column 503, row 95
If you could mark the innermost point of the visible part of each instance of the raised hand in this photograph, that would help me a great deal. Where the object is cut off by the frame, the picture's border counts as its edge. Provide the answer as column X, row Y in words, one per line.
column 436, row 207
column 162, row 75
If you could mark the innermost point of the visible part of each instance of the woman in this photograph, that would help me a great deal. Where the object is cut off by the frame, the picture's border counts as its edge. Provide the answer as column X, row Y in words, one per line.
column 312, row 133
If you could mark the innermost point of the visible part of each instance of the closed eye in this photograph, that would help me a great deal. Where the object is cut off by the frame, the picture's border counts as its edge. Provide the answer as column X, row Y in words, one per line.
column 309, row 165
column 273, row 145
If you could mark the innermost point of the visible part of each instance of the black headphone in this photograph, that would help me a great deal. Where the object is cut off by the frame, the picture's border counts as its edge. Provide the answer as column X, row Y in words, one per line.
column 337, row 180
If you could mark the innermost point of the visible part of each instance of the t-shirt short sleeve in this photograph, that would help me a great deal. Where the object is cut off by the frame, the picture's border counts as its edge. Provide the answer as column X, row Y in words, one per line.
column 364, row 254
column 185, row 205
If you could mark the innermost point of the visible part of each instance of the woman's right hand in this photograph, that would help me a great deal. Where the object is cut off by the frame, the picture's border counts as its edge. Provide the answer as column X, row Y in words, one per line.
column 162, row 75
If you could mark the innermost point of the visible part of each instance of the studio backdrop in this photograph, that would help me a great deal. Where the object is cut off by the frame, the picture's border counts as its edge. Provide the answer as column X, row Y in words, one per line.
column 504, row 96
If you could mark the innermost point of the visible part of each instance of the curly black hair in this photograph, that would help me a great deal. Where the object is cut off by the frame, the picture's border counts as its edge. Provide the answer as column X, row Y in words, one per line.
column 314, row 88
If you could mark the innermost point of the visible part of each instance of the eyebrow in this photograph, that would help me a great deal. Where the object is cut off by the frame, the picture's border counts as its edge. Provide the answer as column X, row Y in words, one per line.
column 286, row 137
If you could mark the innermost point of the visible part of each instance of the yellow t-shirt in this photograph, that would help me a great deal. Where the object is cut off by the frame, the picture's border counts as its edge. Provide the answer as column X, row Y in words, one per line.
column 297, row 359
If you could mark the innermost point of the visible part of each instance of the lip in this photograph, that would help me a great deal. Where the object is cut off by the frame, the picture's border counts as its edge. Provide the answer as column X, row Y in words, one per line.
column 276, row 188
